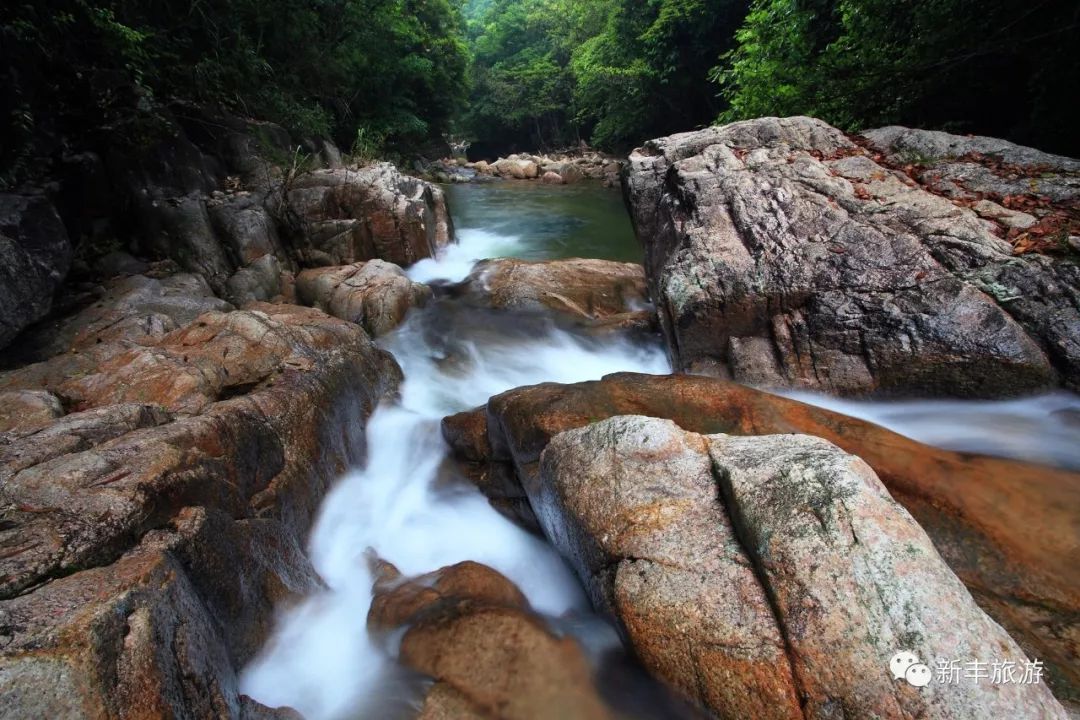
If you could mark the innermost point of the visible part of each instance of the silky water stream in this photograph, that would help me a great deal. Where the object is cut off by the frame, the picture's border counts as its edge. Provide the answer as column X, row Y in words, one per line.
column 402, row 506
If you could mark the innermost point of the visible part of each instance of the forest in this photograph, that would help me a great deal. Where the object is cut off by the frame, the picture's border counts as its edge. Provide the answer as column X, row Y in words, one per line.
column 532, row 74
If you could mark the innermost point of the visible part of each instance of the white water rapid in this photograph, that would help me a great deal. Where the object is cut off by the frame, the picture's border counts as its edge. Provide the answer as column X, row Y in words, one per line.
column 320, row 659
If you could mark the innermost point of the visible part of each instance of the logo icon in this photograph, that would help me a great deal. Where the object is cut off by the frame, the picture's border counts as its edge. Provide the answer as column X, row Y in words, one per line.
column 906, row 665
column 918, row 675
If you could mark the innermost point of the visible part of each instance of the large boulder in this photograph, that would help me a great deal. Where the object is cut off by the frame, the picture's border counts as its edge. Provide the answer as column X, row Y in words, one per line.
column 34, row 258
column 375, row 294
column 769, row 577
column 780, row 253
column 148, row 534
column 349, row 215
column 1005, row 527
column 471, row 629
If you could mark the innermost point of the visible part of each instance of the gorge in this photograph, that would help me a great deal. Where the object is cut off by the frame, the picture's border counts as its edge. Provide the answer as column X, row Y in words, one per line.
column 346, row 443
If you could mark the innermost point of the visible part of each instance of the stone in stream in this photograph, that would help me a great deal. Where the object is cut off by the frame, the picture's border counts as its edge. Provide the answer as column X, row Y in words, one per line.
column 471, row 629
column 768, row 577
column 1006, row 528
column 149, row 533
column 598, row 295
column 374, row 294
column 782, row 253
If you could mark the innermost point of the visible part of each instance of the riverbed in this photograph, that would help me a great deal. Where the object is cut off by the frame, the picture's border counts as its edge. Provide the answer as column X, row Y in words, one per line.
column 408, row 506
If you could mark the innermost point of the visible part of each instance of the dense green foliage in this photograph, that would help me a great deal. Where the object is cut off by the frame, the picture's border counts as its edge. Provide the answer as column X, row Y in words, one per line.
column 531, row 74
column 546, row 72
column 1008, row 68
column 394, row 69
column 549, row 72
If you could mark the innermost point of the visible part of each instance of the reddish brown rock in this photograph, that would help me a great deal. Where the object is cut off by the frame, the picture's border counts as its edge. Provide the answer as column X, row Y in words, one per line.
column 374, row 294
column 28, row 410
column 1007, row 528
column 471, row 629
column 583, row 289
column 148, row 535
column 768, row 576
column 349, row 215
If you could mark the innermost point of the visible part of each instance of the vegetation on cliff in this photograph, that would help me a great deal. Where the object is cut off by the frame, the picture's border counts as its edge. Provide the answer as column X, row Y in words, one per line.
column 80, row 73
column 616, row 72
column 529, row 74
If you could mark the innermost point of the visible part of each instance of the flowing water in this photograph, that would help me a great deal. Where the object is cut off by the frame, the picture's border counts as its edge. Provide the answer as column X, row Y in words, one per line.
column 403, row 507
column 408, row 507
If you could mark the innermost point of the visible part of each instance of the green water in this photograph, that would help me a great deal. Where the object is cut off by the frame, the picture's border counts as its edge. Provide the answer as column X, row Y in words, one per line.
column 548, row 221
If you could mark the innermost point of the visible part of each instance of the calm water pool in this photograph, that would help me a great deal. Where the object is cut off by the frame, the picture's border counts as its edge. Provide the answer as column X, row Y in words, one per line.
column 548, row 221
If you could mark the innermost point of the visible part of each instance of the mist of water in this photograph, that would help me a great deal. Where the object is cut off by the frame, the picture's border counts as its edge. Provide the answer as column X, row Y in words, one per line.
column 320, row 659
column 1043, row 429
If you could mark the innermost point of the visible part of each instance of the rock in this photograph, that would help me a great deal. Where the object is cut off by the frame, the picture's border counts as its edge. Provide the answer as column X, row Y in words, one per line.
column 767, row 577
column 119, row 264
column 571, row 173
column 134, row 309
column 471, row 629
column 958, row 163
column 1004, row 527
column 375, row 294
column 35, row 255
column 580, row 288
column 509, row 168
column 482, row 167
column 529, row 169
column 180, row 229
column 147, row 536
column 552, row 178
column 26, row 411
column 371, row 213
column 247, row 229
column 780, row 254
column 258, row 282
column 1010, row 218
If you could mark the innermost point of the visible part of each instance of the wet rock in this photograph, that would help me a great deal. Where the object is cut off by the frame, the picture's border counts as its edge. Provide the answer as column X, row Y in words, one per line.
column 374, row 294
column 579, row 288
column 1005, row 527
column 34, row 258
column 780, row 254
column 147, row 535
column 375, row 212
column 471, row 629
column 778, row 564
column 552, row 178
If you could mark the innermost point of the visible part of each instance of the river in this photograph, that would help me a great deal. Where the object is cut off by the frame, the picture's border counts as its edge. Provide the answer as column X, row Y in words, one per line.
column 408, row 507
